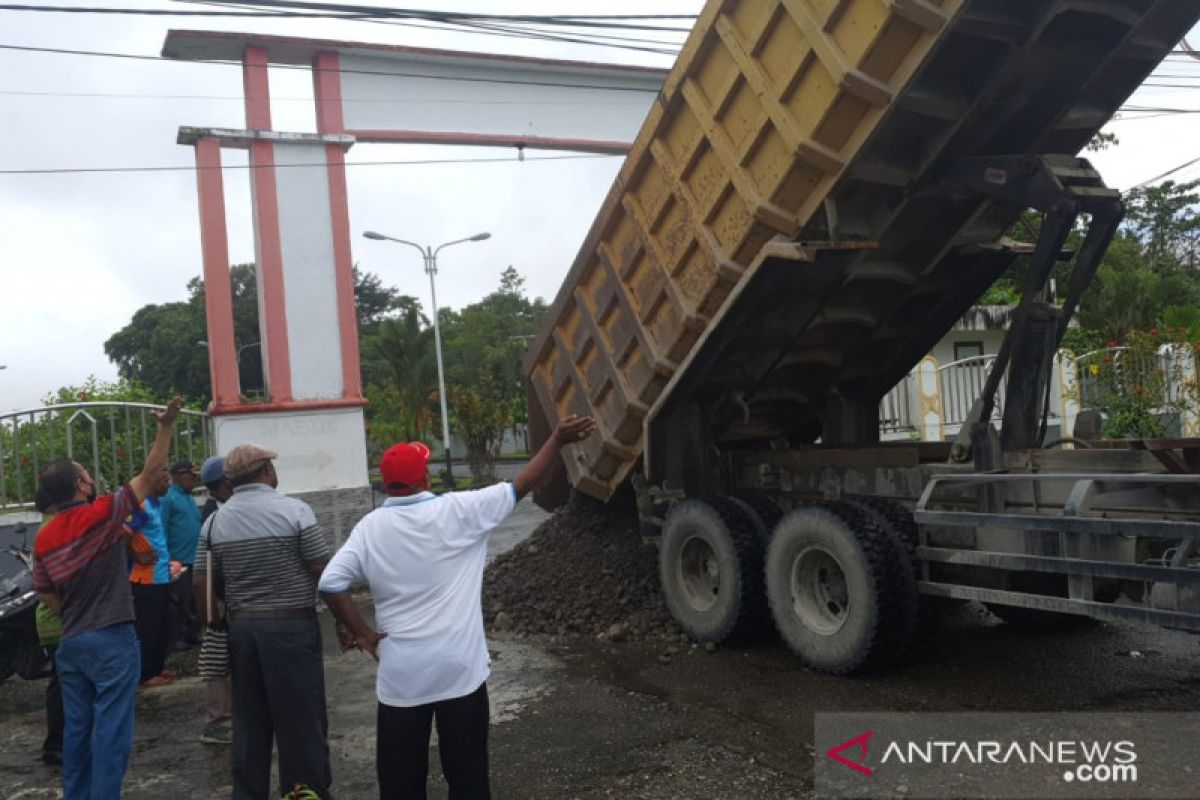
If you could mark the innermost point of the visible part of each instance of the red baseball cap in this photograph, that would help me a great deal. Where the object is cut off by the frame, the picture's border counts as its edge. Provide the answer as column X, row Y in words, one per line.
column 404, row 464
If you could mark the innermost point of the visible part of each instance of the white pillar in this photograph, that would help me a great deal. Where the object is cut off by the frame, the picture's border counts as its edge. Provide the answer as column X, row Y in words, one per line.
column 1179, row 361
column 929, row 393
column 1068, row 391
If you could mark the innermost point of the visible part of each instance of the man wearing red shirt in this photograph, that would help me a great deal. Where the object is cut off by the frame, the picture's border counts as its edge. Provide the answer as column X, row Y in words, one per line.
column 81, row 571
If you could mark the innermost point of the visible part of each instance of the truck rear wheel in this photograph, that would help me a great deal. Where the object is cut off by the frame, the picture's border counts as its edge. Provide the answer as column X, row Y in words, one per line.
column 710, row 568
column 828, row 581
column 904, row 603
column 765, row 510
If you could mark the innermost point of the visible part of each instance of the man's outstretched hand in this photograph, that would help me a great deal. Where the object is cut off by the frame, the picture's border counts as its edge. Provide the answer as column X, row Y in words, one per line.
column 573, row 429
column 167, row 416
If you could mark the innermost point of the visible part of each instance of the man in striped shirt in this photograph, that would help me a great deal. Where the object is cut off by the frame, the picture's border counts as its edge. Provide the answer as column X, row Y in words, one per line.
column 80, row 571
column 268, row 553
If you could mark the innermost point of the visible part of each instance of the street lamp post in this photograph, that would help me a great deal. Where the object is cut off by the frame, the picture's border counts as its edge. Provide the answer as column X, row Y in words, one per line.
column 237, row 356
column 241, row 347
column 429, row 256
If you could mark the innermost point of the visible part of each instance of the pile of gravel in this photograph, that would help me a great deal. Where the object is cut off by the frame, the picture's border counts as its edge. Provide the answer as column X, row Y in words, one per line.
column 586, row 572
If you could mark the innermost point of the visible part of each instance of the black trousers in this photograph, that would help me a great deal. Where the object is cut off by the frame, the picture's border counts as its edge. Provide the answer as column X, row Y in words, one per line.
column 402, row 747
column 278, row 682
column 185, row 625
column 152, row 609
column 55, row 720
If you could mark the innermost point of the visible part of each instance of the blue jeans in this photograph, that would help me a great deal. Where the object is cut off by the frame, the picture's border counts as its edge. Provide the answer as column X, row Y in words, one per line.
column 98, row 671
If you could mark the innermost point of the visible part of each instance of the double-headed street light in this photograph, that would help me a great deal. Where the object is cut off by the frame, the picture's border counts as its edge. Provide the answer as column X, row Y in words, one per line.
column 238, row 356
column 241, row 347
column 429, row 254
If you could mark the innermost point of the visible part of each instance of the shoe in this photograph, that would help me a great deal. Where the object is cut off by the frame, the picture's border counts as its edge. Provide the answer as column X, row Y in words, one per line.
column 52, row 757
column 216, row 733
column 167, row 673
column 155, row 682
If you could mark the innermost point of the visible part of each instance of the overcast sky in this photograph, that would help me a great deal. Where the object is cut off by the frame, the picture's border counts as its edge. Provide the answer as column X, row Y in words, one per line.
column 80, row 253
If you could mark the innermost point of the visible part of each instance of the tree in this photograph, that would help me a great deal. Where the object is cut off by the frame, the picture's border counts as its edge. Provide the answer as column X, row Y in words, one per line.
column 484, row 345
column 404, row 344
column 1165, row 220
column 374, row 302
column 1124, row 296
column 158, row 349
column 481, row 423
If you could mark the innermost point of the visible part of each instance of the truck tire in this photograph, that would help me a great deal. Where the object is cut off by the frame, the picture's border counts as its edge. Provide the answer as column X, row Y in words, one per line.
column 766, row 510
column 710, row 567
column 829, row 570
column 905, row 603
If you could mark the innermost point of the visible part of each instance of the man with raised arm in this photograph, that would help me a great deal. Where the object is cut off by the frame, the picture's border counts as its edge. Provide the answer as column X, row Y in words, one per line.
column 81, row 571
column 422, row 556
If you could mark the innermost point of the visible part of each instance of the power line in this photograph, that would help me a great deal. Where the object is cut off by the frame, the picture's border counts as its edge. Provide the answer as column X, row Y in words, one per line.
column 274, row 98
column 1168, row 173
column 599, row 21
column 385, row 17
column 601, row 40
column 331, row 11
column 163, row 12
column 139, row 57
column 194, row 168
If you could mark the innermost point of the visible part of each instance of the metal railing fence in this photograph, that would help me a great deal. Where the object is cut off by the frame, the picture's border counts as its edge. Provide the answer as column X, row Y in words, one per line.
column 111, row 439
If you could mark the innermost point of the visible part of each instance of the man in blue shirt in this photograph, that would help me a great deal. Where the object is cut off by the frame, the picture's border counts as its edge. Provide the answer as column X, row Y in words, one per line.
column 150, row 580
column 181, row 518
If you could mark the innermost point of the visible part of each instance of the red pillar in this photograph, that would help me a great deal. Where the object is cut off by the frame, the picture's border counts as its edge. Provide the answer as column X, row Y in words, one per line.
column 266, row 228
column 218, row 290
column 327, row 91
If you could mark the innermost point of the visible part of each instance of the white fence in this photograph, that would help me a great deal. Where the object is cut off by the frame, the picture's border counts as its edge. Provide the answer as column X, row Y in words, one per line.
column 934, row 400
column 110, row 438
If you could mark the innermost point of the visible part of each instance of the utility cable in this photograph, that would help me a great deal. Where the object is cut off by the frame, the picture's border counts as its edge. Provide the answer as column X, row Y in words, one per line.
column 506, row 81
column 274, row 98
column 195, row 168
column 450, row 16
column 1167, row 174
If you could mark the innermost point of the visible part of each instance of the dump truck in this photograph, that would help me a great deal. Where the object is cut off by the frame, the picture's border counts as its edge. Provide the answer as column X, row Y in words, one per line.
column 821, row 190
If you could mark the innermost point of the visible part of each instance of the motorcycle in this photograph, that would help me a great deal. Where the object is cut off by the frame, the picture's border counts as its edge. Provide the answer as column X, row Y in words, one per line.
column 20, row 650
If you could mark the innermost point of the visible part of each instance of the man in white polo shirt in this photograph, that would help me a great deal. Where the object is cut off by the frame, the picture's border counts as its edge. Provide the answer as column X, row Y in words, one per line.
column 422, row 556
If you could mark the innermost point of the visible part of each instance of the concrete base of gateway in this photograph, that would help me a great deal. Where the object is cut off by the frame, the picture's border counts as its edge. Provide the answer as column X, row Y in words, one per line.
column 338, row 510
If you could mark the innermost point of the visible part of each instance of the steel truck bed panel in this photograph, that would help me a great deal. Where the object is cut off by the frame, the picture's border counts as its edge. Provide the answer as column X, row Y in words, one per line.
column 767, row 103
column 810, row 120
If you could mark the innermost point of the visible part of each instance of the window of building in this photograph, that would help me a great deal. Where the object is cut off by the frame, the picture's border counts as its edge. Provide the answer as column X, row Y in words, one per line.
column 964, row 350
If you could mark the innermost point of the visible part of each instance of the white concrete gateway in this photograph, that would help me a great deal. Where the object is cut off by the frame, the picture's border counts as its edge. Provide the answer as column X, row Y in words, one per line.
column 313, row 410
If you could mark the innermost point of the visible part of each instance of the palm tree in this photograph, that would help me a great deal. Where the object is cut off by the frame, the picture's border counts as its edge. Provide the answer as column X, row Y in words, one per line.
column 405, row 342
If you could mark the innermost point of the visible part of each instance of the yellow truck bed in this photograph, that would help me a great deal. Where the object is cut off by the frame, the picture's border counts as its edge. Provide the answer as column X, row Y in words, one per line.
column 770, row 240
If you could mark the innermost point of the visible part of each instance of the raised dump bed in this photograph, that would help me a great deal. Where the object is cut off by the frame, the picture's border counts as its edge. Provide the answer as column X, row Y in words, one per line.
column 795, row 224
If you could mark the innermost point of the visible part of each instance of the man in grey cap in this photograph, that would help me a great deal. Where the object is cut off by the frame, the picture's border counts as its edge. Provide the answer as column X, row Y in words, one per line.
column 268, row 553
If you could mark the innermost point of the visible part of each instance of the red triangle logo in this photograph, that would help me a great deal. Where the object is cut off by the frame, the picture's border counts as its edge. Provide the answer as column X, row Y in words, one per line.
column 860, row 742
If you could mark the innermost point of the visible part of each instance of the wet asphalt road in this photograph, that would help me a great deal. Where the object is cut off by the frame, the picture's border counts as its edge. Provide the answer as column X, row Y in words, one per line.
column 587, row 719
